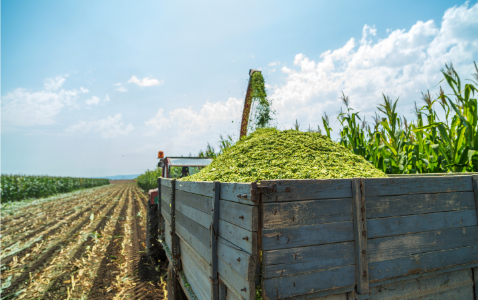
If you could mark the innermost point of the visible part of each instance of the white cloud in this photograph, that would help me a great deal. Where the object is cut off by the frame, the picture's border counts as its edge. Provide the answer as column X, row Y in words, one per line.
column 108, row 128
column 274, row 63
column 146, row 81
column 94, row 100
column 23, row 108
column 120, row 87
column 53, row 84
column 403, row 64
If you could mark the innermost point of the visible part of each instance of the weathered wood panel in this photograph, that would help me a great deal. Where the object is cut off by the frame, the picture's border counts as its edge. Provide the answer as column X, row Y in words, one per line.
column 423, row 262
column 238, row 236
column 306, row 212
column 307, row 235
column 292, row 261
column 387, row 248
column 166, row 194
column 387, row 206
column 202, row 264
column 475, row 277
column 307, row 189
column 237, row 192
column 309, row 254
column 198, row 216
column 166, row 182
column 166, row 215
column 167, row 234
column 417, row 185
column 201, row 233
column 418, row 223
column 166, row 207
column 244, row 216
column 242, row 262
column 199, row 247
column 235, row 282
column 198, row 282
column 457, row 285
column 205, row 188
column 289, row 286
column 198, row 202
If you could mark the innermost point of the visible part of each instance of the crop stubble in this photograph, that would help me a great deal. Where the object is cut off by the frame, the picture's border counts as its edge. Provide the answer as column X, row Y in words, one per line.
column 78, row 256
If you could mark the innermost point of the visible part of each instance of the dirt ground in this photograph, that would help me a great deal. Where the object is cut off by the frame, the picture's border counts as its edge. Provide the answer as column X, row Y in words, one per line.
column 88, row 245
column 122, row 181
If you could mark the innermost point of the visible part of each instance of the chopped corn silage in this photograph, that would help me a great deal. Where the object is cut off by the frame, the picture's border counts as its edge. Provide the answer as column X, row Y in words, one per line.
column 270, row 154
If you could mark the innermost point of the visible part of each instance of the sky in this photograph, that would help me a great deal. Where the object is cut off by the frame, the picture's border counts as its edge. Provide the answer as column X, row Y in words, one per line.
column 97, row 88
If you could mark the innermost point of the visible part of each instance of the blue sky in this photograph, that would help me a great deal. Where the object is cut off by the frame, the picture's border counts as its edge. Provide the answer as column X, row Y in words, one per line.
column 95, row 88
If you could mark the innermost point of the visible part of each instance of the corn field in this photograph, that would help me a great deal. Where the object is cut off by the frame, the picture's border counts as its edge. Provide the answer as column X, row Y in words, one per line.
column 148, row 180
column 19, row 187
column 428, row 144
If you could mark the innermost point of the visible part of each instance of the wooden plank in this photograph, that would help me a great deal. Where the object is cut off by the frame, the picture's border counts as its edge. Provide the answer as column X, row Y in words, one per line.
column 294, row 261
column 201, row 233
column 198, row 202
column 244, row 216
column 194, row 214
column 205, row 188
column 309, row 212
column 455, row 285
column 387, row 248
column 360, row 232
column 237, row 192
column 166, row 182
column 388, row 206
column 422, row 263
column 307, row 189
column 307, row 235
column 196, row 279
column 166, row 215
column 344, row 293
column 290, row 286
column 417, row 223
column 234, row 281
column 244, row 239
column 203, row 251
column 242, row 262
column 166, row 194
column 214, row 231
column 417, row 185
column 167, row 234
column 202, row 264
column 166, row 207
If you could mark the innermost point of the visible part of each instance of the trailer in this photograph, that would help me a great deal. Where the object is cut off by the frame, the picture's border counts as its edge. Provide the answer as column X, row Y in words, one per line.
column 402, row 237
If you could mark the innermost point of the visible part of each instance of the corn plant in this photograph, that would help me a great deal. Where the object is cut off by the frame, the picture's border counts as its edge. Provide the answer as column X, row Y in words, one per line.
column 428, row 145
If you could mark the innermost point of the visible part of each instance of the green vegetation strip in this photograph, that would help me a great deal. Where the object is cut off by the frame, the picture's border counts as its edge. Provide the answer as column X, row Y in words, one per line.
column 20, row 187
column 273, row 154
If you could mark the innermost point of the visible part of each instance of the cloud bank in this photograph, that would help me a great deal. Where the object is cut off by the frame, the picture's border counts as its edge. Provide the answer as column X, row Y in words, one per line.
column 108, row 128
column 145, row 82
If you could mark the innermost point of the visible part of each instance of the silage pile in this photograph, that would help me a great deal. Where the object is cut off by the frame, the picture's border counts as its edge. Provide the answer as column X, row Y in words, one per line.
column 290, row 154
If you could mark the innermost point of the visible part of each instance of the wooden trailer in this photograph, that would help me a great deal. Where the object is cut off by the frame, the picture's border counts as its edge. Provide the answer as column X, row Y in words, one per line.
column 361, row 238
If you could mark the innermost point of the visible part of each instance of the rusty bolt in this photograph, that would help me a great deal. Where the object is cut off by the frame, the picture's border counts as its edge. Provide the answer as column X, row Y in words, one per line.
column 364, row 273
column 363, row 252
column 241, row 217
column 244, row 290
column 246, row 238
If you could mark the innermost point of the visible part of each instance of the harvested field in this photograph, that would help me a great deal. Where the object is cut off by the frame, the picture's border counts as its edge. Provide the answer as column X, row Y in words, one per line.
column 83, row 245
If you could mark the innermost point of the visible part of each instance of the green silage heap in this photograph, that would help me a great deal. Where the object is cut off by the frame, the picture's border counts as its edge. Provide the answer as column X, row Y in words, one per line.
column 290, row 154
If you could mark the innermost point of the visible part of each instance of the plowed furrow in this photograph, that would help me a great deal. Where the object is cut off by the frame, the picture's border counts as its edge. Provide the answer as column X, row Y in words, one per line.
column 51, row 231
column 73, row 263
column 29, row 211
column 46, row 258
column 9, row 240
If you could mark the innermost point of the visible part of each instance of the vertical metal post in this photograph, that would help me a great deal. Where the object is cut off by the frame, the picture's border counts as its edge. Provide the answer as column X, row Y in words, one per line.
column 175, row 244
column 160, row 216
column 475, row 270
column 360, row 232
column 214, row 237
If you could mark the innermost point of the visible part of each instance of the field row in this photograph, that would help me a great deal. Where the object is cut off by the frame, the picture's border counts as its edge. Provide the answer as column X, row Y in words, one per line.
column 82, row 246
